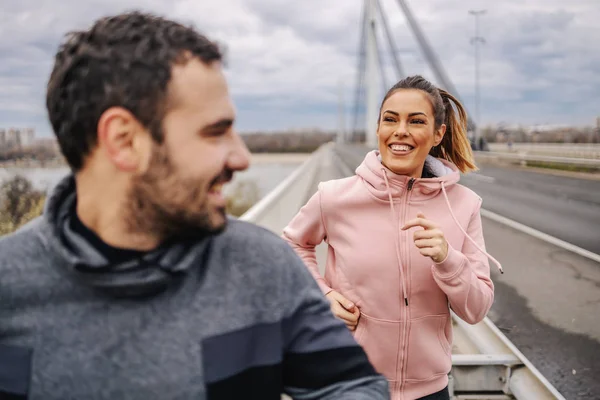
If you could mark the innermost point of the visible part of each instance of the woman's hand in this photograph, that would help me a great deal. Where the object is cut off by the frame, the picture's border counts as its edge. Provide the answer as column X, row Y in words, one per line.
column 344, row 309
column 430, row 241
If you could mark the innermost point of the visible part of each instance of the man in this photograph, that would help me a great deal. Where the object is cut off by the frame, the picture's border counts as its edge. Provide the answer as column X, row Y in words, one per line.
column 133, row 284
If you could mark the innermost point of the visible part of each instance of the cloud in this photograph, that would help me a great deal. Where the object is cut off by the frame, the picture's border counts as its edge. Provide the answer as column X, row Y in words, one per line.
column 287, row 60
column 537, row 65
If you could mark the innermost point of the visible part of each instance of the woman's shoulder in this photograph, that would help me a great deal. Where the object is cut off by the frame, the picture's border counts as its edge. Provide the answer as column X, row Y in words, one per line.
column 464, row 196
column 339, row 186
column 335, row 190
column 466, row 191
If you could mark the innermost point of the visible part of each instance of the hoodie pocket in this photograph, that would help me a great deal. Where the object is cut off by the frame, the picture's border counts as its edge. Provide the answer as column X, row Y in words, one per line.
column 15, row 372
column 379, row 339
column 428, row 351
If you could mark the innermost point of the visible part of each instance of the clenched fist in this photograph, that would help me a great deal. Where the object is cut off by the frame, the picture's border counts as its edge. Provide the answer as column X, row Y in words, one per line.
column 430, row 241
column 344, row 309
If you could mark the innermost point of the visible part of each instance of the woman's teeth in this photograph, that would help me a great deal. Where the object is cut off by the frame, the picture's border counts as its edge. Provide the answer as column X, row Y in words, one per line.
column 400, row 147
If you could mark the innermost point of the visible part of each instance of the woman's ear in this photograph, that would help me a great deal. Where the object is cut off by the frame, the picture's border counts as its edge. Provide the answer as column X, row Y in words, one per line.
column 439, row 134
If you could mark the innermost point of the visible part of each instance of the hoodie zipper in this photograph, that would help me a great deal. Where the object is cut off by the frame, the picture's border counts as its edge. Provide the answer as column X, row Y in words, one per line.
column 405, row 330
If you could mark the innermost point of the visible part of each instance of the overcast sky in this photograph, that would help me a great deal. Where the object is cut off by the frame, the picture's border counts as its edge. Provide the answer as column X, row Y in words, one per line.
column 540, row 63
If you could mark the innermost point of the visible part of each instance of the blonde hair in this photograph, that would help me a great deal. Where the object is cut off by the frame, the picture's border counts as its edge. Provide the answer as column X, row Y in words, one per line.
column 455, row 146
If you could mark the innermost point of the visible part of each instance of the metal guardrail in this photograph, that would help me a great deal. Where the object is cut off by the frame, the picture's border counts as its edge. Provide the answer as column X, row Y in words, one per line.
column 492, row 364
column 486, row 365
column 524, row 158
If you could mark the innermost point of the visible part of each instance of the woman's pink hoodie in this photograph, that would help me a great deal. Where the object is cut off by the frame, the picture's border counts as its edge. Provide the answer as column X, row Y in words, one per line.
column 403, row 297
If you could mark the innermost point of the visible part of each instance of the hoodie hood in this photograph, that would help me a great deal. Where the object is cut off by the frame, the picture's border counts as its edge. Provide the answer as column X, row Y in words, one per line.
column 148, row 274
column 375, row 174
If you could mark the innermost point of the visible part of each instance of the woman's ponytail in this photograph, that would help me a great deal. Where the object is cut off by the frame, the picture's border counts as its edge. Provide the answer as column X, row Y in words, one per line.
column 455, row 146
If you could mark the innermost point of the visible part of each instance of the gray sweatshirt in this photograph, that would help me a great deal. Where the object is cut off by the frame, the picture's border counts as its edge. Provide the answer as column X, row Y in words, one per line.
column 234, row 316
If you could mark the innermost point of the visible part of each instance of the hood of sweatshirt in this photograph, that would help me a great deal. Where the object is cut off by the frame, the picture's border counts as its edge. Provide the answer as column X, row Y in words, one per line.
column 387, row 186
column 381, row 182
column 148, row 274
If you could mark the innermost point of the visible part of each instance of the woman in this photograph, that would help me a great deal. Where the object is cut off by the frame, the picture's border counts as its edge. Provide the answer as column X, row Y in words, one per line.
column 405, row 241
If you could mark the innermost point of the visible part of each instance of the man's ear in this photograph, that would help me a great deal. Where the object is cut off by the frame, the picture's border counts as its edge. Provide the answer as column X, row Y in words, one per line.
column 123, row 139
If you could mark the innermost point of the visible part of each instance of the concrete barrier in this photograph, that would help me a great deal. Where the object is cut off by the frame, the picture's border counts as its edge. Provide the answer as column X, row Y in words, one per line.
column 525, row 157
column 569, row 150
column 277, row 208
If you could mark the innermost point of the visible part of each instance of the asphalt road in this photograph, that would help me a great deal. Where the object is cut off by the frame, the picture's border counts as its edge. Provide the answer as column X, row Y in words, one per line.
column 564, row 207
column 548, row 301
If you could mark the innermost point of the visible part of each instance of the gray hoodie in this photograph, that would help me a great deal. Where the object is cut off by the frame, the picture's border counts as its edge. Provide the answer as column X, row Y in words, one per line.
column 232, row 316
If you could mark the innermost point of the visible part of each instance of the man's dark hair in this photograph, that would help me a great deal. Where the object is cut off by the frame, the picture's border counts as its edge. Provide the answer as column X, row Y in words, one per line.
column 123, row 60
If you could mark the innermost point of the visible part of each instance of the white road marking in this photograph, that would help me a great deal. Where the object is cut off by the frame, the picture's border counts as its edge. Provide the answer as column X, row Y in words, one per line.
column 483, row 178
column 540, row 235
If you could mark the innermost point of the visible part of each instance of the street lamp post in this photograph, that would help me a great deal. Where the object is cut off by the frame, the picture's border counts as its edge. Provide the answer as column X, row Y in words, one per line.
column 341, row 137
column 476, row 41
column 371, row 75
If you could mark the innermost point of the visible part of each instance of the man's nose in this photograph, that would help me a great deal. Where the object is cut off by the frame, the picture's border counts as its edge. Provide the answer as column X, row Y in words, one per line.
column 239, row 158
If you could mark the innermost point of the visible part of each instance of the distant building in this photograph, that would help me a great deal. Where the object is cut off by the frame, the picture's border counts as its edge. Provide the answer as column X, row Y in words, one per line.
column 27, row 137
column 16, row 138
column 48, row 143
column 12, row 139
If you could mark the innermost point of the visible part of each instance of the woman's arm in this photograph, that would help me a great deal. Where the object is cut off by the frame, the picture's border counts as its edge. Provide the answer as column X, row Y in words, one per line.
column 465, row 275
column 305, row 232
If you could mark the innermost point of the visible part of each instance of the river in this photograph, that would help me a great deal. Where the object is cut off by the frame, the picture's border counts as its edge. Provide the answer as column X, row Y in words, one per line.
column 266, row 172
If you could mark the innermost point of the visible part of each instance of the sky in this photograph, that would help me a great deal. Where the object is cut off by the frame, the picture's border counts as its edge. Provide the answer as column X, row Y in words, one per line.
column 292, row 63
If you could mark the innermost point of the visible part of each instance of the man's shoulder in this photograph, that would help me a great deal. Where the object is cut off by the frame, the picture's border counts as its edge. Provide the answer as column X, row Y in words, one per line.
column 22, row 250
column 253, row 245
column 249, row 236
column 22, row 240
column 247, row 253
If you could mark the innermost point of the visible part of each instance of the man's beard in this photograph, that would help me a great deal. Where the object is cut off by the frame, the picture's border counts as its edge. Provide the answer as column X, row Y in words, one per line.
column 168, row 205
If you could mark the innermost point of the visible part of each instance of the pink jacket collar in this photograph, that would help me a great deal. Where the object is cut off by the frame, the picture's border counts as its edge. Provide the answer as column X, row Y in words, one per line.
column 371, row 170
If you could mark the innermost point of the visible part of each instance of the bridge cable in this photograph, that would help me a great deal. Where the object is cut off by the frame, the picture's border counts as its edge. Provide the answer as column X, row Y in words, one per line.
column 393, row 48
column 381, row 66
column 360, row 71
column 430, row 55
